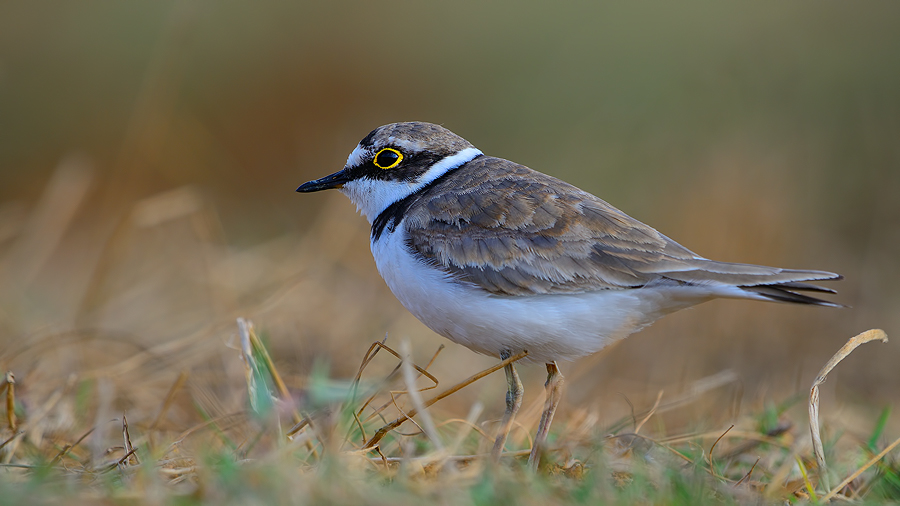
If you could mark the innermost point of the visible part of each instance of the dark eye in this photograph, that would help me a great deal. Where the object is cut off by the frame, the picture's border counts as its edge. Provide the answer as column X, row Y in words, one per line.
column 388, row 158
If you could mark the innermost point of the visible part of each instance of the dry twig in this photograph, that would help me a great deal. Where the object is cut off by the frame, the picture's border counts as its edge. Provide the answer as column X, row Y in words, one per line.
column 847, row 349
column 452, row 390
column 862, row 469
column 11, row 401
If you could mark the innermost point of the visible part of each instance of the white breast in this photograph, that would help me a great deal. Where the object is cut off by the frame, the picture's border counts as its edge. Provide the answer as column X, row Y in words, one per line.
column 549, row 327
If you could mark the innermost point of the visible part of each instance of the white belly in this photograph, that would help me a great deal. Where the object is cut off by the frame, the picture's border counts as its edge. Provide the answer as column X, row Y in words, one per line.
column 549, row 327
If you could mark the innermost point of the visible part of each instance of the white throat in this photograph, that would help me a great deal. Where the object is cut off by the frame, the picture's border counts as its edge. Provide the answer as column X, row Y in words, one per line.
column 372, row 196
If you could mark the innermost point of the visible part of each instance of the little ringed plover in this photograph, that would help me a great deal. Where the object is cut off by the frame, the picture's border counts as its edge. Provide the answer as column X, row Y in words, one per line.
column 503, row 259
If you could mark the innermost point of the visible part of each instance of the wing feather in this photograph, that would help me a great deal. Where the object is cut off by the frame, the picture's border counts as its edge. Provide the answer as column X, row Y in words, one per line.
column 515, row 231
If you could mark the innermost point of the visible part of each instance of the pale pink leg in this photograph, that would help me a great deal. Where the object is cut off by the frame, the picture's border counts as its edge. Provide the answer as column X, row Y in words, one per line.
column 553, row 386
column 514, row 394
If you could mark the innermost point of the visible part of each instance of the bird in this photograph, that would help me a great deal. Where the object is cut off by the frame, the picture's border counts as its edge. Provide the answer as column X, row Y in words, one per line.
column 505, row 260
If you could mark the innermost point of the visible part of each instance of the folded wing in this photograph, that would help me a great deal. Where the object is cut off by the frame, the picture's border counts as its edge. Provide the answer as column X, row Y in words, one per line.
column 520, row 232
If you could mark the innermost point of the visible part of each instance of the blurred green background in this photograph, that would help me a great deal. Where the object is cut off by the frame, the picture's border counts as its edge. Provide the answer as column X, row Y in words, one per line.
column 149, row 153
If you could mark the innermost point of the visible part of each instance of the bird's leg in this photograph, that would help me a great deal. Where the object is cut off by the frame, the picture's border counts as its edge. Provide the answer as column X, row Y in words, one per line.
column 513, row 402
column 553, row 386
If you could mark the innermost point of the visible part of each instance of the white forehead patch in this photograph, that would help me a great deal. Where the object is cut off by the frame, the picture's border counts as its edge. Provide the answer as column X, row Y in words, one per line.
column 357, row 156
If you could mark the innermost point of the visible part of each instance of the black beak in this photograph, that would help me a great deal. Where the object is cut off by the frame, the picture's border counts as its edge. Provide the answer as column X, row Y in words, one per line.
column 335, row 180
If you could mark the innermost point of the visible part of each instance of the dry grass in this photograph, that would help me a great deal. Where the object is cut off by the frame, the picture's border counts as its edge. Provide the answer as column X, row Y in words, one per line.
column 232, row 444
column 156, row 396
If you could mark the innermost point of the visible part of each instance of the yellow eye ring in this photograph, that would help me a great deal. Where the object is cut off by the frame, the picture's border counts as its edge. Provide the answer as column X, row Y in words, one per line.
column 387, row 158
